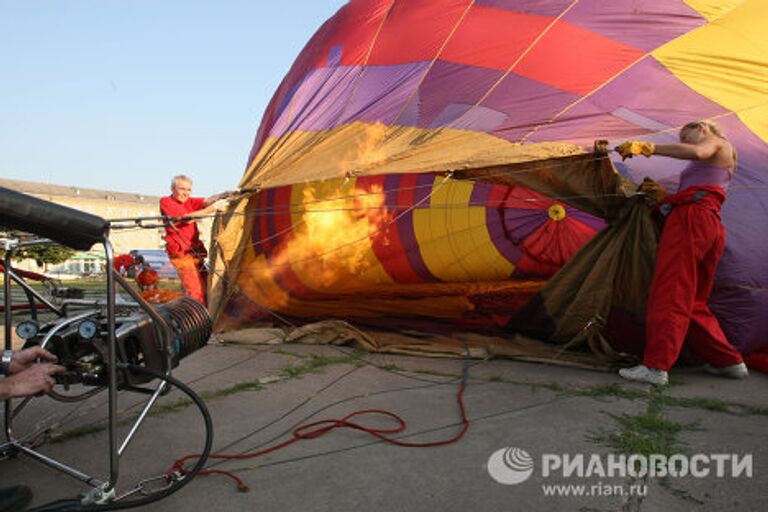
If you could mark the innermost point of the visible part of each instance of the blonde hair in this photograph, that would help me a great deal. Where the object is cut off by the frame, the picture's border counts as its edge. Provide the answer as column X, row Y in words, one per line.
column 716, row 130
column 713, row 127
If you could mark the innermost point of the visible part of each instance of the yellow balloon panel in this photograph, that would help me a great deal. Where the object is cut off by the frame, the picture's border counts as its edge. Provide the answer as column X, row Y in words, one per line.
column 713, row 9
column 727, row 61
column 453, row 237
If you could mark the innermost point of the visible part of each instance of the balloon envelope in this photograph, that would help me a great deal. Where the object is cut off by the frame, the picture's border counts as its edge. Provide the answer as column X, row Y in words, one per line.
column 388, row 96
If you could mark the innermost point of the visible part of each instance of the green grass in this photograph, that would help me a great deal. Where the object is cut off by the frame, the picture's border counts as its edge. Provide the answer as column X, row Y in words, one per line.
column 706, row 404
column 231, row 390
column 79, row 432
column 609, row 390
column 283, row 352
column 390, row 368
column 314, row 363
column 675, row 380
column 435, row 373
column 158, row 410
column 646, row 434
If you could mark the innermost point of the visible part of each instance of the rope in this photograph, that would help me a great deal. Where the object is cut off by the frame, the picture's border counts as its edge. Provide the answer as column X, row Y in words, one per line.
column 257, row 211
column 293, row 208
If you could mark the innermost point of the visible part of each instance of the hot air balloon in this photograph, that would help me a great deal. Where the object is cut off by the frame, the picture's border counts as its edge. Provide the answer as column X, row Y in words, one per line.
column 428, row 161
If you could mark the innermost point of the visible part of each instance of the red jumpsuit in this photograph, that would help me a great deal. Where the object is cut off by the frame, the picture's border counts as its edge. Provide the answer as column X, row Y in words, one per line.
column 185, row 249
column 690, row 247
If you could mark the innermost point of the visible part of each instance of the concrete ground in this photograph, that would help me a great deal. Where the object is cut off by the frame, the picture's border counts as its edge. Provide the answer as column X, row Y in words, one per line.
column 258, row 393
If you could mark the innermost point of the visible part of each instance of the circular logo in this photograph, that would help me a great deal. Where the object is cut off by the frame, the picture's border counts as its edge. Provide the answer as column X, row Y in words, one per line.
column 510, row 466
column 556, row 212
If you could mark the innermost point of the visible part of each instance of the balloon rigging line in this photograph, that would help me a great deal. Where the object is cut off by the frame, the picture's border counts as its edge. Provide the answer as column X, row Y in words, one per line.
column 493, row 174
column 273, row 313
column 511, row 68
column 433, row 61
column 299, row 208
column 369, row 235
column 390, row 222
column 295, row 121
column 508, row 203
column 236, row 288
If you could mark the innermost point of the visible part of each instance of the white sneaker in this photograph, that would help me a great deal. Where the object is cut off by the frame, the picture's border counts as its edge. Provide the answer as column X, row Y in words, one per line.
column 642, row 373
column 735, row 371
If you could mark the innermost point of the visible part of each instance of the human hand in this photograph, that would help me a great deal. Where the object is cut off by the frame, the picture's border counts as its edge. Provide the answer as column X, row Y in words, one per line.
column 220, row 205
column 34, row 380
column 652, row 190
column 223, row 195
column 23, row 359
column 632, row 147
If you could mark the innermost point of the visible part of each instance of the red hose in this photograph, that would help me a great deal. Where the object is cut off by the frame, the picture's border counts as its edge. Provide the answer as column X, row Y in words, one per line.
column 322, row 427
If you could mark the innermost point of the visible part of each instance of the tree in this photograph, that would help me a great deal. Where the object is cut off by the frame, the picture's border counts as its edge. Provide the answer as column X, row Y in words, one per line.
column 46, row 254
column 42, row 254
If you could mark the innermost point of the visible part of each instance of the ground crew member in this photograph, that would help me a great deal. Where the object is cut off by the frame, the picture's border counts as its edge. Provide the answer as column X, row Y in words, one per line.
column 692, row 241
column 182, row 239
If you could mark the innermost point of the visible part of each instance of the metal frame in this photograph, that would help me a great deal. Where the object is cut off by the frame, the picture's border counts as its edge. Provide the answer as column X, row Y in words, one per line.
column 103, row 491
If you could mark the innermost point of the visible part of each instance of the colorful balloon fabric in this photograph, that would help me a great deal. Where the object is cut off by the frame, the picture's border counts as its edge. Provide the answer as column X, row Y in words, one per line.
column 359, row 214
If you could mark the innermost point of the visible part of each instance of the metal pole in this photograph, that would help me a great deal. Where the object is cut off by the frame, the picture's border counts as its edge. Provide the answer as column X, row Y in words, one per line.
column 21, row 282
column 142, row 416
column 47, row 303
column 8, row 341
column 114, row 456
column 57, row 465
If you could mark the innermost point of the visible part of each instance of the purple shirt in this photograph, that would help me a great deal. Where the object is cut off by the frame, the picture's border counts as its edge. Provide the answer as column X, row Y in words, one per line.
column 698, row 174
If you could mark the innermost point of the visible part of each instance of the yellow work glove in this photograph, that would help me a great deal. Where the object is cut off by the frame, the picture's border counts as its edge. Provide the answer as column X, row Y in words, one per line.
column 651, row 189
column 635, row 147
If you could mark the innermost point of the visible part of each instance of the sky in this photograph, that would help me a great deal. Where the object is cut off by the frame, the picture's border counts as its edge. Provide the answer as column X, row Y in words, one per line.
column 124, row 94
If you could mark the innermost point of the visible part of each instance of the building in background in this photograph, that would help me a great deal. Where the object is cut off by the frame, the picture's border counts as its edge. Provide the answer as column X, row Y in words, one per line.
column 109, row 205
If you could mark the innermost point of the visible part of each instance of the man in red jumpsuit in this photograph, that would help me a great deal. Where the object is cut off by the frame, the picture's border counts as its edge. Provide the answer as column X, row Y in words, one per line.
column 692, row 241
column 182, row 239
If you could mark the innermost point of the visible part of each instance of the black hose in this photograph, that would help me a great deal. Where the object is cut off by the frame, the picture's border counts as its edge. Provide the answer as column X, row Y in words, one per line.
column 74, row 505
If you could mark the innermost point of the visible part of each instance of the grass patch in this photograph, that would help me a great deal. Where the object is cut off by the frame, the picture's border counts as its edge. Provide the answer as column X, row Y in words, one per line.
column 79, row 432
column 251, row 385
column 715, row 405
column 175, row 406
column 631, row 393
column 435, row 373
column 647, row 433
column 158, row 410
column 675, row 380
column 314, row 363
column 609, row 390
column 390, row 368
column 284, row 352
column 707, row 404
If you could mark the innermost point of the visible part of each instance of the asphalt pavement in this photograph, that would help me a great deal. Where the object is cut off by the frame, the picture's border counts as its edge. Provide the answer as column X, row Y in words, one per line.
column 528, row 423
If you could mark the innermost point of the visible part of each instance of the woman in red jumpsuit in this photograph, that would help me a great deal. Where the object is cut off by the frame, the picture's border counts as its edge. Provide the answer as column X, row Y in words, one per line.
column 692, row 241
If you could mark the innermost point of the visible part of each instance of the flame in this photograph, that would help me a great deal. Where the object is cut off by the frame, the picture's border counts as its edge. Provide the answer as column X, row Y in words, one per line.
column 368, row 151
column 331, row 243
